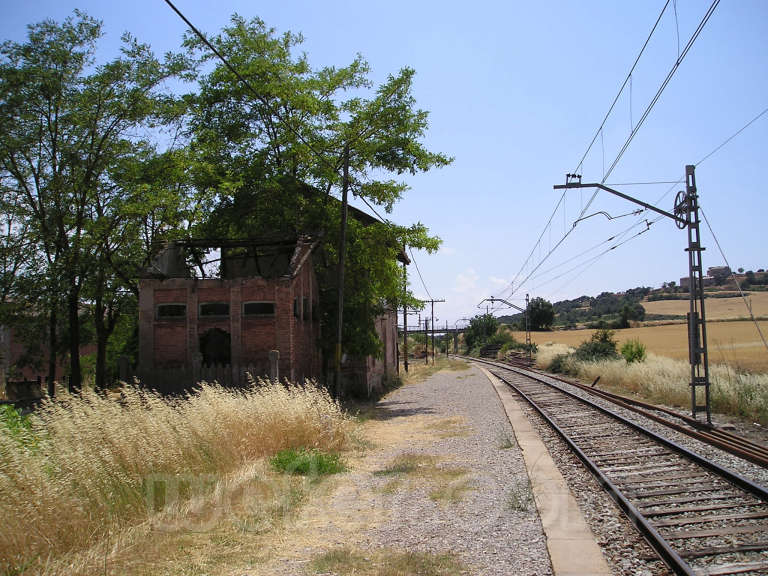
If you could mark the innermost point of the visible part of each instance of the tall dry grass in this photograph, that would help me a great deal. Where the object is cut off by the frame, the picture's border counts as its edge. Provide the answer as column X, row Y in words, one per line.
column 665, row 380
column 84, row 466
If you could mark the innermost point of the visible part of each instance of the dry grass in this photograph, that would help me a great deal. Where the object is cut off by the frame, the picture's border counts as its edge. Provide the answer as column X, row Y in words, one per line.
column 387, row 562
column 734, row 343
column 93, row 465
column 418, row 370
column 447, row 483
column 716, row 308
column 665, row 380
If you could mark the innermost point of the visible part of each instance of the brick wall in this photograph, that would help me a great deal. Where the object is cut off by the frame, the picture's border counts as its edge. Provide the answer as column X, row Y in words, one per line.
column 174, row 343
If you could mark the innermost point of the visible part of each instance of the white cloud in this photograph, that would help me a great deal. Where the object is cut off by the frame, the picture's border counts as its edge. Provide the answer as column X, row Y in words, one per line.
column 498, row 281
column 466, row 282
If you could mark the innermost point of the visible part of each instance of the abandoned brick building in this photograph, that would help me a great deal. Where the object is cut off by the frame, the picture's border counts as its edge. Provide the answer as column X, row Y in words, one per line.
column 265, row 297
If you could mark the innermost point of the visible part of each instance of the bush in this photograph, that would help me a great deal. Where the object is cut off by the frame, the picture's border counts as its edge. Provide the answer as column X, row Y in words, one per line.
column 602, row 346
column 633, row 351
column 560, row 364
column 305, row 462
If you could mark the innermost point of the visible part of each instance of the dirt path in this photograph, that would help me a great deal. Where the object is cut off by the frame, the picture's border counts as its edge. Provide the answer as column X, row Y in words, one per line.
column 439, row 475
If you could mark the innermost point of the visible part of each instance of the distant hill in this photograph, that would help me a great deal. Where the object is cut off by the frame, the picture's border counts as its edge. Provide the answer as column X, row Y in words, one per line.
column 616, row 310
column 604, row 310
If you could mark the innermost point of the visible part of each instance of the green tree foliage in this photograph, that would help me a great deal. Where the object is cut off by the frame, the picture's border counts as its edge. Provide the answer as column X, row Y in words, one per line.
column 88, row 188
column 601, row 346
column 481, row 328
column 633, row 351
column 66, row 123
column 541, row 314
column 271, row 155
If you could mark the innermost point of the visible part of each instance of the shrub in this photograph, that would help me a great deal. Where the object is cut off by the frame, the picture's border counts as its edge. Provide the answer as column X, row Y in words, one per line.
column 602, row 346
column 633, row 351
column 560, row 364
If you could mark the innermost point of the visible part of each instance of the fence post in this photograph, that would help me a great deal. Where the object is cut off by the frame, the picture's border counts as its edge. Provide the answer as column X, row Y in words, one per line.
column 274, row 368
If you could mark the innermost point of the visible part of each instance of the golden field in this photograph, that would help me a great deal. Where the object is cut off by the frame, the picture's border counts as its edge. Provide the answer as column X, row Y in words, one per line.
column 716, row 308
column 734, row 343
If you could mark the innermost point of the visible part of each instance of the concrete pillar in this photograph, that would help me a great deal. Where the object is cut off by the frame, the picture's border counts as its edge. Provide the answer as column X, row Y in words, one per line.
column 235, row 331
column 194, row 358
column 274, row 365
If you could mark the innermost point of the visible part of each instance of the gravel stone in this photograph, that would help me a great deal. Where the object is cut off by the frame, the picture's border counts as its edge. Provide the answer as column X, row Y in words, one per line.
column 482, row 528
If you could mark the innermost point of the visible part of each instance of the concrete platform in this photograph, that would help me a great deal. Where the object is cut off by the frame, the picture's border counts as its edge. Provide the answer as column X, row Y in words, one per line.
column 572, row 547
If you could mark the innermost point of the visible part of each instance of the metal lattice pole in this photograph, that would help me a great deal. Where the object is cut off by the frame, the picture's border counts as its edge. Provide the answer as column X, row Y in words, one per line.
column 697, row 328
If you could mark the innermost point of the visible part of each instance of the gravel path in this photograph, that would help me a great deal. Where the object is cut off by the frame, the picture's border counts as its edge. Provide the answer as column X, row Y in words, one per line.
column 486, row 527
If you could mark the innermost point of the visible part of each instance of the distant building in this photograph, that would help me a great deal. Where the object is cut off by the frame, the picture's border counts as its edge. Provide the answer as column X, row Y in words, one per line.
column 265, row 298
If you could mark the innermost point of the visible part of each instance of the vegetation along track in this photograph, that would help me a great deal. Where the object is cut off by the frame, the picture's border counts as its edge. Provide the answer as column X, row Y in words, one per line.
column 700, row 518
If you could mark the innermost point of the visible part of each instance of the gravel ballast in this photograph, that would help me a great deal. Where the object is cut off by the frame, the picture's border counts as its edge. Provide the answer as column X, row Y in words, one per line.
column 487, row 527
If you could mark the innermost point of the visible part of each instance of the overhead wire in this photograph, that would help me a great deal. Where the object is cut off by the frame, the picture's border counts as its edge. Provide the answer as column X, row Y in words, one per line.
column 631, row 136
column 738, row 286
column 419, row 271
column 704, row 158
column 732, row 136
column 656, row 97
column 598, row 132
column 290, row 128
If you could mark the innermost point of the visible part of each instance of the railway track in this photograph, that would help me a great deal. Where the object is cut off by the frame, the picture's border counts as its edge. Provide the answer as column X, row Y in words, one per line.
column 718, row 437
column 700, row 518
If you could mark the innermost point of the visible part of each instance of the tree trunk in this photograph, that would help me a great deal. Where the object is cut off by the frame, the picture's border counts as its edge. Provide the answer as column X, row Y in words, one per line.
column 101, row 340
column 73, row 305
column 52, row 351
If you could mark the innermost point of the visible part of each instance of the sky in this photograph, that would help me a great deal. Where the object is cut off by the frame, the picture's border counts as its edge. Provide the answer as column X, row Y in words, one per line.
column 516, row 91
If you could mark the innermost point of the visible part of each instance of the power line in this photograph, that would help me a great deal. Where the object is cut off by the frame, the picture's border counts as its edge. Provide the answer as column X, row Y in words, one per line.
column 656, row 97
column 598, row 132
column 248, row 85
column 419, row 271
column 265, row 102
column 749, row 308
column 621, row 88
column 732, row 136
column 632, row 134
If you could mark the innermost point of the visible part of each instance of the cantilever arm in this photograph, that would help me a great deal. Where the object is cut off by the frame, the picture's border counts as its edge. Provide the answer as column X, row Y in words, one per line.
column 492, row 299
column 622, row 195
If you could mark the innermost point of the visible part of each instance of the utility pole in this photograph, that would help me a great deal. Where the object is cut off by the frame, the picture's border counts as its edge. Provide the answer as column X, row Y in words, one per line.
column 432, row 302
column 688, row 205
column 516, row 307
column 426, row 341
column 528, row 328
column 340, row 278
column 445, row 338
column 405, row 313
column 686, row 215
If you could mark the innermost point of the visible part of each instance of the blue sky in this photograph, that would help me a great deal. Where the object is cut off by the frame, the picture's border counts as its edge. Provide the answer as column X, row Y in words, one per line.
column 515, row 91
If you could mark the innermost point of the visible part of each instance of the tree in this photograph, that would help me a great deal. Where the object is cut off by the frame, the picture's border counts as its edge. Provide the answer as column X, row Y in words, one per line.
column 480, row 329
column 541, row 314
column 66, row 122
column 271, row 155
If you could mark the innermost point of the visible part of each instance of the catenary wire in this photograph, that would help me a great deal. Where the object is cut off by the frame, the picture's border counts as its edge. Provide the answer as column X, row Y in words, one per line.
column 749, row 308
column 296, row 133
column 419, row 271
column 629, row 139
column 656, row 97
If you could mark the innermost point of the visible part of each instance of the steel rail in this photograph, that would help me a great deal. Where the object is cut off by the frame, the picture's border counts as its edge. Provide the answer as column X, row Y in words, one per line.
column 732, row 477
column 731, row 443
column 660, row 544
column 651, row 535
